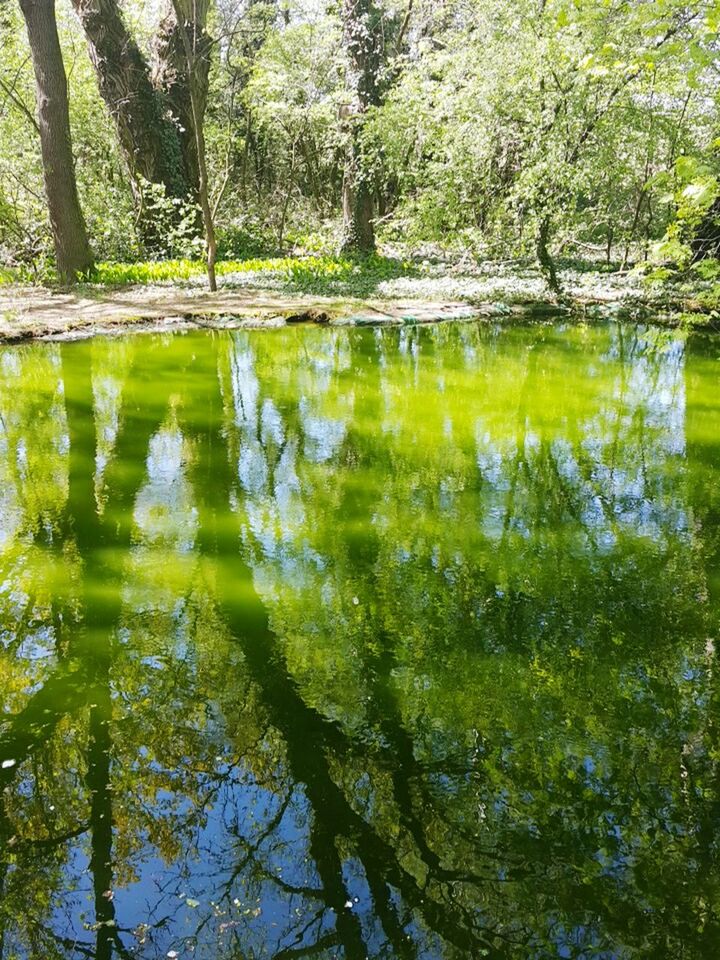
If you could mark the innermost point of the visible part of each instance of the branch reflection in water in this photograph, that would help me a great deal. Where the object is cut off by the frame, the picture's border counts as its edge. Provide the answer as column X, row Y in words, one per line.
column 355, row 643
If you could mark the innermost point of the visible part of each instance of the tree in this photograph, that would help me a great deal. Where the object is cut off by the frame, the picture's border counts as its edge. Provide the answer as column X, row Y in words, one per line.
column 179, row 86
column 540, row 129
column 361, row 33
column 196, row 49
column 150, row 108
column 291, row 101
column 72, row 249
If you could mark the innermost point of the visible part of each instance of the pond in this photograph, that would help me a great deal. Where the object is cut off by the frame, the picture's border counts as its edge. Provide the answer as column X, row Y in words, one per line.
column 361, row 643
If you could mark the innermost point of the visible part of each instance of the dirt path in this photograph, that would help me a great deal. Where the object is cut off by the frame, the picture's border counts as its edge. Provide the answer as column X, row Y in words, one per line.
column 34, row 312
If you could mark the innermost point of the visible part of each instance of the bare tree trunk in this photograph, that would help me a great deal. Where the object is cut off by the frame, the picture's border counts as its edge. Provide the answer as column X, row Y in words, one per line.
column 196, row 50
column 150, row 139
column 547, row 264
column 361, row 34
column 72, row 250
column 170, row 76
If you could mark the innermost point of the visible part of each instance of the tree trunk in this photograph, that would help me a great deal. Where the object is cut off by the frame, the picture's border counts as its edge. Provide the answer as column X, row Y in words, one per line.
column 72, row 250
column 547, row 264
column 195, row 47
column 362, row 41
column 170, row 75
column 358, row 208
column 149, row 137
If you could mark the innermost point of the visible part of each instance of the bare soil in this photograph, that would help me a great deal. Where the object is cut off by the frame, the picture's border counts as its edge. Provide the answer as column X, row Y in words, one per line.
column 28, row 312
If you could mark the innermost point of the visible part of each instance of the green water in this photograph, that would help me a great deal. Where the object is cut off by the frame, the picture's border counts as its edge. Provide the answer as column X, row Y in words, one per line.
column 361, row 643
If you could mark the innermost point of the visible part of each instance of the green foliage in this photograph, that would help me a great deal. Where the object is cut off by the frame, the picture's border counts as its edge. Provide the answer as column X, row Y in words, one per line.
column 320, row 275
column 243, row 239
column 345, row 276
column 568, row 110
column 596, row 119
column 175, row 223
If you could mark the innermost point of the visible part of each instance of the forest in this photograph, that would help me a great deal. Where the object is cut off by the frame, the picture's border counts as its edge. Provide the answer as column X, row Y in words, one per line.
column 384, row 133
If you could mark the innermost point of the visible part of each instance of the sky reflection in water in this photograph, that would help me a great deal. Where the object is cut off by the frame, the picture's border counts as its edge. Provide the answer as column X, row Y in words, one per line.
column 360, row 643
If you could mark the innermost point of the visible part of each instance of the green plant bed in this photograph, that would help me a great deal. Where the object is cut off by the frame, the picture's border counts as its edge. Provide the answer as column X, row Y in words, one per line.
column 314, row 274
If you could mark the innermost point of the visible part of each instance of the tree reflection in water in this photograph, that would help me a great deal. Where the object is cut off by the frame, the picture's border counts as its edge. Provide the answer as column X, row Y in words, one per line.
column 360, row 644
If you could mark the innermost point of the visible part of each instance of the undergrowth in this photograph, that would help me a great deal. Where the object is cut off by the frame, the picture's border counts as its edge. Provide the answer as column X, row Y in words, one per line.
column 315, row 274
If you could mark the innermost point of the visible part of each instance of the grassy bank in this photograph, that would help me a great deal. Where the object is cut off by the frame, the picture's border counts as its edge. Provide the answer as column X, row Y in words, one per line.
column 591, row 290
column 314, row 274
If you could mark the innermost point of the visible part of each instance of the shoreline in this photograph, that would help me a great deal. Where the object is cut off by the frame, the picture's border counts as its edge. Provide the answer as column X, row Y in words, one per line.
column 39, row 313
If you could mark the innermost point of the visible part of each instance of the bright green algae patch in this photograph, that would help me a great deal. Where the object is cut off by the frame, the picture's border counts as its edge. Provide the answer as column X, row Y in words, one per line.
column 348, row 643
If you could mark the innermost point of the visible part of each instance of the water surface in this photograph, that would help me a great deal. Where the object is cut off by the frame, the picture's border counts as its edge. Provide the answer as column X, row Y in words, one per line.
column 361, row 643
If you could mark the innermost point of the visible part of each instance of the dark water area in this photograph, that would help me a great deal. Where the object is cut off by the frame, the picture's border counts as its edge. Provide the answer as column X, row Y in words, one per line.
column 361, row 643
